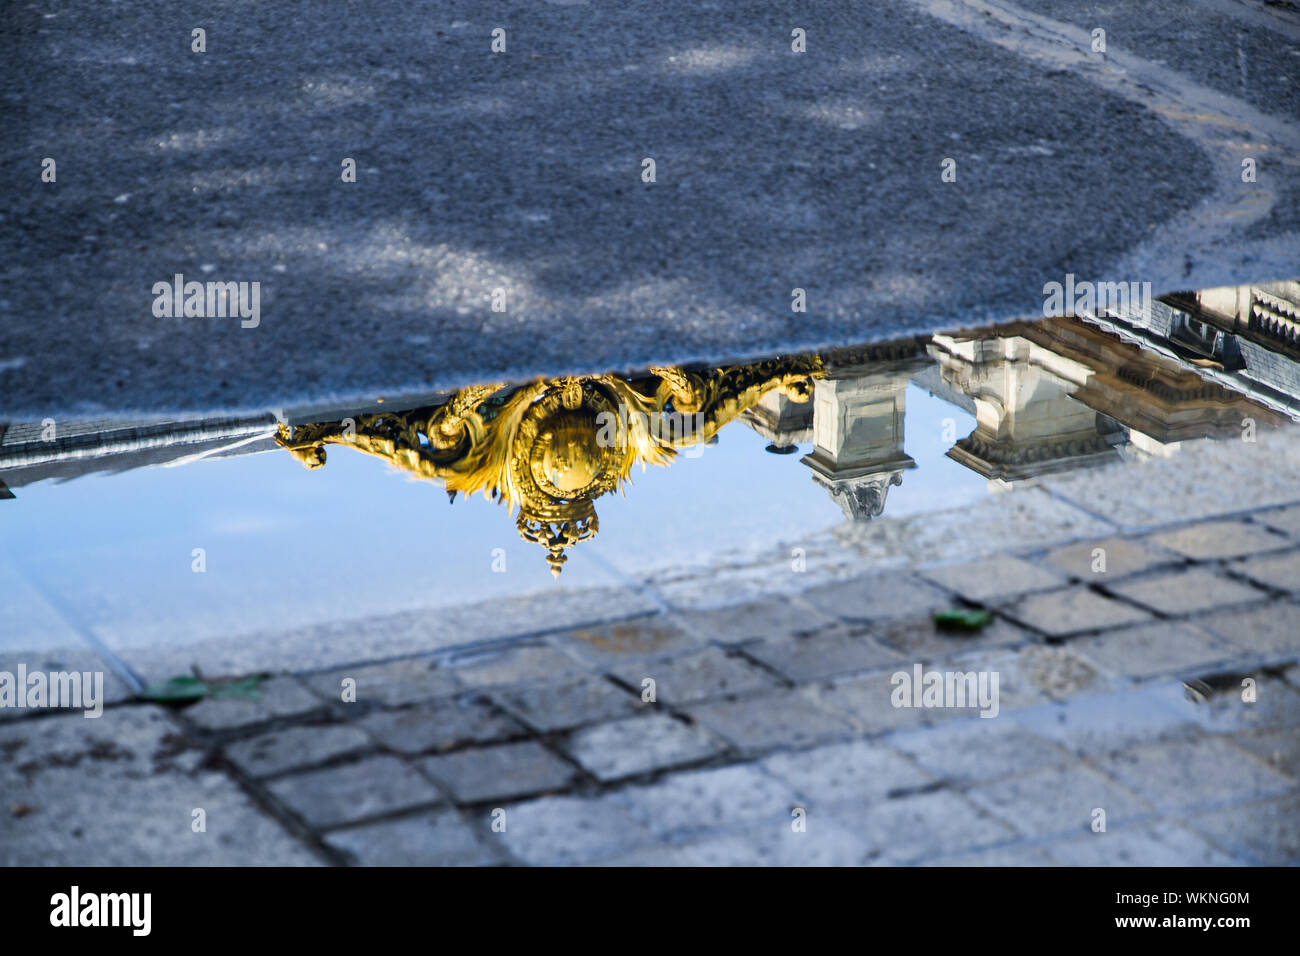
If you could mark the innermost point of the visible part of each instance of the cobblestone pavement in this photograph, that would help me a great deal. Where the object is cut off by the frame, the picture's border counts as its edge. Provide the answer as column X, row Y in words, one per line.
column 772, row 738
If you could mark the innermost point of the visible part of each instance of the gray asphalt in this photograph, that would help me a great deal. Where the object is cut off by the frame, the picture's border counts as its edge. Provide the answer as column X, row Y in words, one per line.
column 522, row 171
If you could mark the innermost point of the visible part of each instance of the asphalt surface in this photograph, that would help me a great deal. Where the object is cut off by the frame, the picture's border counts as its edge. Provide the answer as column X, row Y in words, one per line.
column 522, row 171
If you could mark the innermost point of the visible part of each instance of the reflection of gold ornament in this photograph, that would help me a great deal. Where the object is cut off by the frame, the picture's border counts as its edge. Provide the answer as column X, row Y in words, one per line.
column 554, row 446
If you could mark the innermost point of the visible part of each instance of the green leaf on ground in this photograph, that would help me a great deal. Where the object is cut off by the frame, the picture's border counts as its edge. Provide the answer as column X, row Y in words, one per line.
column 962, row 620
column 178, row 689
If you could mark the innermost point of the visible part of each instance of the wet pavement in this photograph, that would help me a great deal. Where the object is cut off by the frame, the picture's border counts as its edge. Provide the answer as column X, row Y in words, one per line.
column 724, row 658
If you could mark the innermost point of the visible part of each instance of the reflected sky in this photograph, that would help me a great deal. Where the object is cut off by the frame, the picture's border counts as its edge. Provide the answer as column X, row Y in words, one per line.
column 283, row 543
column 288, row 546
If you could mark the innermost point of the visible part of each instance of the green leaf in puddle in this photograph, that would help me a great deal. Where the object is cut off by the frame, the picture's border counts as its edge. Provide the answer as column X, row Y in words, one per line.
column 187, row 688
column 962, row 620
column 176, row 688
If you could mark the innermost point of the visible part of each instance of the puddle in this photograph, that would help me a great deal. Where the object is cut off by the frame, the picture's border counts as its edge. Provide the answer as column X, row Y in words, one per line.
column 324, row 514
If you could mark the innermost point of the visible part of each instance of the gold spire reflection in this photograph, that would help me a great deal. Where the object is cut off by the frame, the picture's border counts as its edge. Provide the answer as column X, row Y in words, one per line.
column 554, row 446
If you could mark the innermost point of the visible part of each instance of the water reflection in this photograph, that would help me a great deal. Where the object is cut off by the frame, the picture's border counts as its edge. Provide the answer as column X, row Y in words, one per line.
column 551, row 448
column 1047, row 396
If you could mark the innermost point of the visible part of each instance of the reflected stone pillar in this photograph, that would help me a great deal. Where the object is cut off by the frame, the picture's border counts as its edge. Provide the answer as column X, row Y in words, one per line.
column 858, row 435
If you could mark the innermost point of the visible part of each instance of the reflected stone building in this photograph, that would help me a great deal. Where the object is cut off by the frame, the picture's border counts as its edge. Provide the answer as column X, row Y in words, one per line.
column 1246, row 338
column 1028, row 421
column 1160, row 403
column 1064, row 393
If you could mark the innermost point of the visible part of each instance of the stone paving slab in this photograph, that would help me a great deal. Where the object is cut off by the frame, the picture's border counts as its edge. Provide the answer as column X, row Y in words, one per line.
column 1186, row 592
column 1053, row 671
column 994, row 579
column 942, row 821
column 766, row 578
column 859, row 772
column 772, row 719
column 1269, row 630
column 1059, row 800
column 353, row 792
column 1267, row 831
column 918, row 639
column 568, row 830
column 718, row 798
column 823, row 843
column 831, row 653
column 1029, row 520
column 151, row 646
column 627, row 748
column 324, row 643
column 641, row 639
column 1027, row 677
column 283, row 750
column 512, row 665
column 1108, row 559
column 865, row 702
column 389, row 685
column 568, row 702
column 1286, row 520
column 109, row 792
column 1280, row 749
column 1279, row 572
column 1020, row 855
column 756, row 620
column 696, row 677
column 1185, row 775
column 441, row 838
column 878, row 597
column 502, row 772
column 979, row 750
column 547, row 609
column 276, row 698
column 1074, row 611
column 656, row 855
column 1150, row 650
column 1222, row 539
column 1159, row 844
column 440, row 725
